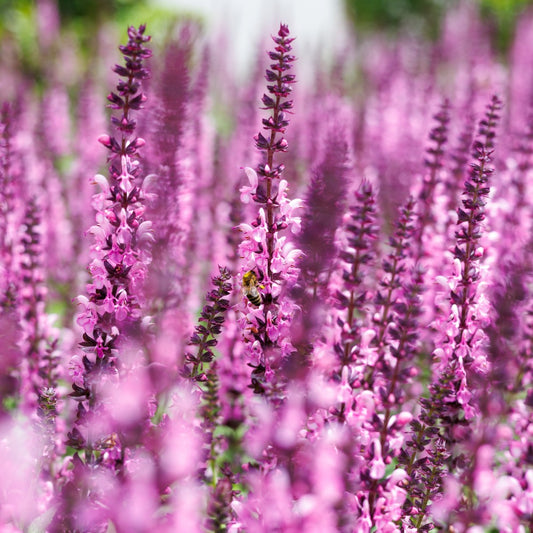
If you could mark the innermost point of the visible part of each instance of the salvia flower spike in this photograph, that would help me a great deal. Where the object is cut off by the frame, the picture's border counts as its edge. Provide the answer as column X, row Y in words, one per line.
column 461, row 355
column 120, row 258
column 269, row 259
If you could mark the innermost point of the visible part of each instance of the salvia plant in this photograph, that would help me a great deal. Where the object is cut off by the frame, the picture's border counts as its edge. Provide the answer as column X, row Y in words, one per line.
column 313, row 314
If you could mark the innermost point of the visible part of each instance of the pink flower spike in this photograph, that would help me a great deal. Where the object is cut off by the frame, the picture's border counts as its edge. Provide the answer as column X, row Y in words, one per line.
column 119, row 263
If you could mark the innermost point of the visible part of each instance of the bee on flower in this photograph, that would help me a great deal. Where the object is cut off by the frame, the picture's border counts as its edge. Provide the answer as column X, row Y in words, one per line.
column 249, row 288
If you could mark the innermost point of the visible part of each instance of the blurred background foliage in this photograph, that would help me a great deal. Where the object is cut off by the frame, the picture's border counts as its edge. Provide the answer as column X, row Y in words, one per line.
column 423, row 17
column 420, row 16
column 81, row 19
column 72, row 11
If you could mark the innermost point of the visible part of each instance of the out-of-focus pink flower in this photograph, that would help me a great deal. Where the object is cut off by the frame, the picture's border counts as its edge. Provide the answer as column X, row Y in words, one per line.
column 246, row 191
column 376, row 466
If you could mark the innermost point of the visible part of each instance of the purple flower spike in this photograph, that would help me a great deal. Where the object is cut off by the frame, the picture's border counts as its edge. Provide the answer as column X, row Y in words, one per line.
column 120, row 255
column 8, row 213
column 269, row 258
column 211, row 321
column 357, row 256
column 324, row 206
column 113, row 305
column 388, row 294
column 277, row 122
column 470, row 217
column 433, row 163
column 40, row 368
column 446, row 416
column 128, row 96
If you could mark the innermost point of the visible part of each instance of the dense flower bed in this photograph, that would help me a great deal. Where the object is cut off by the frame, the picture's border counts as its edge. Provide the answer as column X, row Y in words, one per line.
column 324, row 326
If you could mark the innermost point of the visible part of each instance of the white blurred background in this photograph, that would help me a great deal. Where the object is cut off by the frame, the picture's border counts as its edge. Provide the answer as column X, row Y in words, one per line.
column 320, row 26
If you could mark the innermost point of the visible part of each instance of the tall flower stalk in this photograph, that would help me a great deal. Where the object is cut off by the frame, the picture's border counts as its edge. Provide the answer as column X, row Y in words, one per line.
column 202, row 368
column 353, row 296
column 211, row 321
column 112, row 308
column 120, row 260
column 269, row 260
column 394, row 348
column 39, row 370
column 324, row 206
column 445, row 416
column 395, row 268
column 433, row 163
column 8, row 189
column 11, row 215
column 275, row 125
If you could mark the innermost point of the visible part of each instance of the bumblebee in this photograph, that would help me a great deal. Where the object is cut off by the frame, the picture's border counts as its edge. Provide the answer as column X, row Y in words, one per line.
column 249, row 288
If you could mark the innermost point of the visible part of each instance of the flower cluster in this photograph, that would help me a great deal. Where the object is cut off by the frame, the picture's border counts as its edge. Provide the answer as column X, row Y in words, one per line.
column 120, row 259
column 462, row 353
column 268, row 258
column 119, row 251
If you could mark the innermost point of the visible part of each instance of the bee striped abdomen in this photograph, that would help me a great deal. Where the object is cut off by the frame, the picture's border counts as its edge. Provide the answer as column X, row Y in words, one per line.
column 254, row 297
column 249, row 288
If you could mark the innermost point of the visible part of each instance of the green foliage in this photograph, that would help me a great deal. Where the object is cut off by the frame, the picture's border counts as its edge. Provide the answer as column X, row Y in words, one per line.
column 502, row 16
column 418, row 16
column 162, row 408
column 391, row 467
column 80, row 22
column 94, row 10
column 9, row 403
column 21, row 14
column 18, row 33
column 423, row 17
